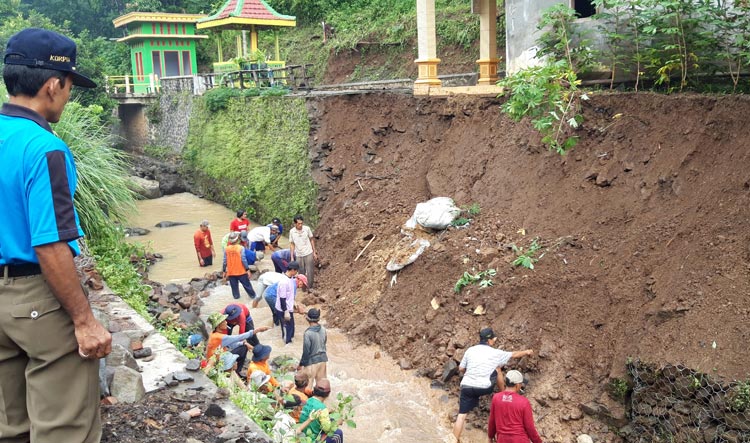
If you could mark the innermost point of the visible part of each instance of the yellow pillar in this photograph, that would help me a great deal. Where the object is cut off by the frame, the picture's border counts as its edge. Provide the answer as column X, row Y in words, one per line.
column 239, row 45
column 488, row 43
column 253, row 39
column 427, row 45
column 221, row 52
column 276, row 36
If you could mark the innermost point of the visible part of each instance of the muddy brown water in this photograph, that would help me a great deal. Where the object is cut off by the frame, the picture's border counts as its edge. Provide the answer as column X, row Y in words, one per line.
column 389, row 404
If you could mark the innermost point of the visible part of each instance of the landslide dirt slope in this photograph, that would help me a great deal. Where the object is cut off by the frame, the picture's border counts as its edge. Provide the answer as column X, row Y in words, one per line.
column 644, row 225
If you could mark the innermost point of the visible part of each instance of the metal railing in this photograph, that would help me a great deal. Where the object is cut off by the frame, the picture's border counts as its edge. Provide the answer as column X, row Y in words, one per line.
column 294, row 77
column 129, row 85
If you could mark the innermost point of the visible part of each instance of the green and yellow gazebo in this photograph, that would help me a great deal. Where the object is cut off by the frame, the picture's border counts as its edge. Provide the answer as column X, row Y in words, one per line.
column 161, row 45
column 246, row 15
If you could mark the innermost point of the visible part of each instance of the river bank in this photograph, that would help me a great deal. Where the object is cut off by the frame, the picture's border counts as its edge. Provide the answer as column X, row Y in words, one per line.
column 389, row 402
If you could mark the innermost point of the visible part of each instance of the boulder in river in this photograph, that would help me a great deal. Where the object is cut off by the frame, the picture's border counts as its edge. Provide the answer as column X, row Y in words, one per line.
column 147, row 188
column 168, row 224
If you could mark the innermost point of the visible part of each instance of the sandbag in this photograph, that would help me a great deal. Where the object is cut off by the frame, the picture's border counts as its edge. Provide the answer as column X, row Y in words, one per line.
column 437, row 213
column 407, row 255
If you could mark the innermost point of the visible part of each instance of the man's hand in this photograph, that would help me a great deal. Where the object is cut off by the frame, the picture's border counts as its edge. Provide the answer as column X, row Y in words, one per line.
column 261, row 329
column 56, row 261
column 94, row 341
column 202, row 263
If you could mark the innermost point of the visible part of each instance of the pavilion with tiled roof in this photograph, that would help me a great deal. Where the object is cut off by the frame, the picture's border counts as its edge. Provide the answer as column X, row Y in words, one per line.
column 247, row 15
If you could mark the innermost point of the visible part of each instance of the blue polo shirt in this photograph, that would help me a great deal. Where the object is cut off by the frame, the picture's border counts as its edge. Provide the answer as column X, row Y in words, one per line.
column 38, row 182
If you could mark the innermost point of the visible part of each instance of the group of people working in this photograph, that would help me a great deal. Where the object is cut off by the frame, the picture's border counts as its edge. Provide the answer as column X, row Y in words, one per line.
column 255, row 243
column 234, row 337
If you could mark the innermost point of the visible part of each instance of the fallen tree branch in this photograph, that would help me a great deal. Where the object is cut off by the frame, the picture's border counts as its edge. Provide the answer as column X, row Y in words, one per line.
column 363, row 249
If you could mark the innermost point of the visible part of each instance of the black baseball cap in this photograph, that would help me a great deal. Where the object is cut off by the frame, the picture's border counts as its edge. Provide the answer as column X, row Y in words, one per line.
column 41, row 48
column 486, row 334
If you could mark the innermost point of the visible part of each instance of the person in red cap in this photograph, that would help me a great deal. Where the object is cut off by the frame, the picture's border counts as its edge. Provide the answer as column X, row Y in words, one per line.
column 50, row 341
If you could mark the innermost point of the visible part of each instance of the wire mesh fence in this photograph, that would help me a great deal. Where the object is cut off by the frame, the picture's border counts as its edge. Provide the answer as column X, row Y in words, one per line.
column 676, row 404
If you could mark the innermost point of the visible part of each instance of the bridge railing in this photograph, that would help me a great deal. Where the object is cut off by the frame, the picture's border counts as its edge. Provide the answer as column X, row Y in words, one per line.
column 292, row 76
column 129, row 84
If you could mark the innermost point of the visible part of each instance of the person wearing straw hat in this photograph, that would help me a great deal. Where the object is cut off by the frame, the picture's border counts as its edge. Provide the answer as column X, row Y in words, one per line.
column 50, row 340
column 219, row 339
column 314, row 356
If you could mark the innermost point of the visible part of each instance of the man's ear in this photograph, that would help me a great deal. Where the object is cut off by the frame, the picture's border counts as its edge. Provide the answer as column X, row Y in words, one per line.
column 52, row 85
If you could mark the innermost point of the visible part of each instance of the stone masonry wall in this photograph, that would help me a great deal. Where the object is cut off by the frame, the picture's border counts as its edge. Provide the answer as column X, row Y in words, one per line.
column 169, row 119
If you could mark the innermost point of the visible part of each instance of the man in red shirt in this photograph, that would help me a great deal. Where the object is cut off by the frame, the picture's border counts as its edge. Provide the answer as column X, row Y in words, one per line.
column 511, row 419
column 204, row 245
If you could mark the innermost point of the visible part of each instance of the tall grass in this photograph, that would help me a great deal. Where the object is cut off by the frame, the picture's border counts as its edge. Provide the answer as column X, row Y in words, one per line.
column 103, row 197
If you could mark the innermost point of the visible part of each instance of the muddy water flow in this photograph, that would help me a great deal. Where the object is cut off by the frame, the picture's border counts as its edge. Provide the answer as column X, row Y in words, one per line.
column 390, row 404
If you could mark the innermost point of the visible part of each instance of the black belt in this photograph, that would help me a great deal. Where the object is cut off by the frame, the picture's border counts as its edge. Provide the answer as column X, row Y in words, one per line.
column 23, row 270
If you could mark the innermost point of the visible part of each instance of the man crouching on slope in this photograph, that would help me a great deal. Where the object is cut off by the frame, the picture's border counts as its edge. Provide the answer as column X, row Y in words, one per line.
column 480, row 364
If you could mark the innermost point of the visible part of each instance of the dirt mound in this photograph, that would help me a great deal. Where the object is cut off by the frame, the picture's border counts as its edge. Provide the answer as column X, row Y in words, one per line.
column 643, row 228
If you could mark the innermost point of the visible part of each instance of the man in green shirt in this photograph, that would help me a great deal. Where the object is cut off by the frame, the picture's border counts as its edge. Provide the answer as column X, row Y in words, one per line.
column 315, row 420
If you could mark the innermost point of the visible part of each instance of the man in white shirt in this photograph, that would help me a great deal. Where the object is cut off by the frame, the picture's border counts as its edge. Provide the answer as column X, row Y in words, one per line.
column 480, row 364
column 302, row 249
column 260, row 238
column 265, row 280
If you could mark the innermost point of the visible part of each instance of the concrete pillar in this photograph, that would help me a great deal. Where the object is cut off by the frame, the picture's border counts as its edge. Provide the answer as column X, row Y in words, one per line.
column 488, row 43
column 427, row 44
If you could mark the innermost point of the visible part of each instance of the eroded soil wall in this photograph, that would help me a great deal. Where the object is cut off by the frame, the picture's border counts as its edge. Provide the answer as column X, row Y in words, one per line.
column 643, row 226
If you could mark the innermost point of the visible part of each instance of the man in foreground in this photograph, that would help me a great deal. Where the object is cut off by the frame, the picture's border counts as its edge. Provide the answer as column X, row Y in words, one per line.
column 511, row 418
column 50, row 342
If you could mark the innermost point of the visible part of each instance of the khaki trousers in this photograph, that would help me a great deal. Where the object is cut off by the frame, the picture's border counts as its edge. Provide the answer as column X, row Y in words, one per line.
column 307, row 267
column 316, row 372
column 48, row 393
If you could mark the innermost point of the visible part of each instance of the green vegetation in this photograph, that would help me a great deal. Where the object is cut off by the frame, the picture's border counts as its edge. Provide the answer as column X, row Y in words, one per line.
column 261, row 407
column 460, row 222
column 549, row 94
column 468, row 212
column 619, row 389
column 528, row 257
column 677, row 43
column 739, row 396
column 158, row 152
column 473, row 209
column 103, row 197
column 252, row 153
column 482, row 278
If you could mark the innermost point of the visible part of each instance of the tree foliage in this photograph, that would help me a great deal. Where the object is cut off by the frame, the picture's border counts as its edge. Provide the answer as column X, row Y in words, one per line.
column 252, row 152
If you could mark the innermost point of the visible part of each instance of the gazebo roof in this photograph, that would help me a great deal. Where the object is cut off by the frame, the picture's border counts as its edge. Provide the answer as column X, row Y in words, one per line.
column 238, row 14
column 164, row 17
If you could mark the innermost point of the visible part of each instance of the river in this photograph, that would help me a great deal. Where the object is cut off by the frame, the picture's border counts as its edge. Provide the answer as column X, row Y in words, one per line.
column 389, row 404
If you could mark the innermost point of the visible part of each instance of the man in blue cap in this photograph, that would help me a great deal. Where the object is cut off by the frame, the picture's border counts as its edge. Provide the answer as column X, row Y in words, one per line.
column 50, row 342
